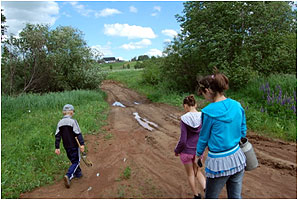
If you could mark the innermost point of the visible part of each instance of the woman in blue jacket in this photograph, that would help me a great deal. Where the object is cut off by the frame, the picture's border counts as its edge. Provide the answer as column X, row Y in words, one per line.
column 224, row 124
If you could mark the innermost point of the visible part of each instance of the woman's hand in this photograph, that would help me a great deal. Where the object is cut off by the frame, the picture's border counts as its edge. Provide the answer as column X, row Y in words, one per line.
column 197, row 160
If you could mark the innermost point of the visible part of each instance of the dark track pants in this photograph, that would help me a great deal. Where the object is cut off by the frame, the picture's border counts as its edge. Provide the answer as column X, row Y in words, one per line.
column 74, row 156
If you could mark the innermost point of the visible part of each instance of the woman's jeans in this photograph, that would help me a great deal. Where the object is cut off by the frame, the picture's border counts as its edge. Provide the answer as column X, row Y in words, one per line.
column 233, row 182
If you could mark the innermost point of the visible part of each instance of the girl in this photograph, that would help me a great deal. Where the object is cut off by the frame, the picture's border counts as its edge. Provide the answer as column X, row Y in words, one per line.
column 190, row 128
column 223, row 126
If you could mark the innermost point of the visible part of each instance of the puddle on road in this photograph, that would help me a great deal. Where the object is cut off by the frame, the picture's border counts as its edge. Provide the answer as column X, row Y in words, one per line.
column 116, row 103
column 144, row 122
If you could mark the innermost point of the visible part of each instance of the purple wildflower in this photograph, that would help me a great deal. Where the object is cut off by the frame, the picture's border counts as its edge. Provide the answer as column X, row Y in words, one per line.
column 269, row 99
column 293, row 108
column 262, row 88
column 283, row 101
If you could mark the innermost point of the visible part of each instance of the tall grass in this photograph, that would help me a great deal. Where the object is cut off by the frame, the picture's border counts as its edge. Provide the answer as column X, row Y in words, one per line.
column 117, row 65
column 28, row 124
column 270, row 117
column 273, row 122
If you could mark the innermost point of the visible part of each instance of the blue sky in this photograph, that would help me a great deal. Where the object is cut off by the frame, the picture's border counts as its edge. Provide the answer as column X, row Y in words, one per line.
column 122, row 29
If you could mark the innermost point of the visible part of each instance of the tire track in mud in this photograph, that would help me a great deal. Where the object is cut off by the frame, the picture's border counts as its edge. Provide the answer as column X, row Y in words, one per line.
column 155, row 171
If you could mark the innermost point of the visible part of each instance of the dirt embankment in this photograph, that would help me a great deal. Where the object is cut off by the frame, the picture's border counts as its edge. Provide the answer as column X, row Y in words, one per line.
column 155, row 171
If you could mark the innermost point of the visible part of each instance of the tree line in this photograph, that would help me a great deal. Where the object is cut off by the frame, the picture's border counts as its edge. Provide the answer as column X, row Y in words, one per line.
column 43, row 60
column 241, row 39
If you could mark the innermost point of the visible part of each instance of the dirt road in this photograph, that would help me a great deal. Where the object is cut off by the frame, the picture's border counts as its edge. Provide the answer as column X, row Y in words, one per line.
column 155, row 172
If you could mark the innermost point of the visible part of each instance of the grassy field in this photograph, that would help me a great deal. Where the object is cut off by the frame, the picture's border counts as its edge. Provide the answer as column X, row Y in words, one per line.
column 117, row 65
column 27, row 136
column 272, row 120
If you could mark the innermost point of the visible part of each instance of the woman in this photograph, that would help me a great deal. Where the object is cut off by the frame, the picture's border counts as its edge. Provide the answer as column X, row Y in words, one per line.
column 190, row 124
column 224, row 124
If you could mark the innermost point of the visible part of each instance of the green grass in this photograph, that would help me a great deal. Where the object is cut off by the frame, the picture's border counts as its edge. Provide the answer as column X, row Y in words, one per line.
column 117, row 65
column 283, row 126
column 277, row 121
column 27, row 136
column 126, row 173
column 133, row 79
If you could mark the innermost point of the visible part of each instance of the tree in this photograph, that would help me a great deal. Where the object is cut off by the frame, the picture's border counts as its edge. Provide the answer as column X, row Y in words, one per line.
column 143, row 57
column 3, row 26
column 43, row 60
column 239, row 38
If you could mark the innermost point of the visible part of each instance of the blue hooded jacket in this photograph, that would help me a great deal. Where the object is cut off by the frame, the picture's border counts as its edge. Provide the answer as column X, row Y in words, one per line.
column 224, row 124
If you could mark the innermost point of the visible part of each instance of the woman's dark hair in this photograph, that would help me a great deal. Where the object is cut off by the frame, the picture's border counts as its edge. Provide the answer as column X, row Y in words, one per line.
column 189, row 100
column 217, row 82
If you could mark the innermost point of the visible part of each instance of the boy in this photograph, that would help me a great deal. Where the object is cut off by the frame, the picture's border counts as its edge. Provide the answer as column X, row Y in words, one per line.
column 68, row 129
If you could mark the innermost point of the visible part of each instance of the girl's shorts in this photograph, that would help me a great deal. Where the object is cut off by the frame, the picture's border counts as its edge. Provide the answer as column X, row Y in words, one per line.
column 187, row 158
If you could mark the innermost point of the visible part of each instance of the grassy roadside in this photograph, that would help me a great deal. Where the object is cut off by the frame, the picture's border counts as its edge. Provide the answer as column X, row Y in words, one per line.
column 28, row 124
column 282, row 124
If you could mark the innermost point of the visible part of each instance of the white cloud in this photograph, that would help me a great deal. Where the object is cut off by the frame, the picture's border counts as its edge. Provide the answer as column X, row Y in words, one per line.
column 81, row 9
column 107, row 12
column 167, row 41
column 133, row 9
column 130, row 31
column 66, row 14
column 19, row 13
column 154, row 52
column 105, row 50
column 169, row 32
column 157, row 8
column 136, row 45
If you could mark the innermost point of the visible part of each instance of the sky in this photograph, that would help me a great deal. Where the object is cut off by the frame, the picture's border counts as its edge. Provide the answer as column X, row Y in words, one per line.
column 121, row 29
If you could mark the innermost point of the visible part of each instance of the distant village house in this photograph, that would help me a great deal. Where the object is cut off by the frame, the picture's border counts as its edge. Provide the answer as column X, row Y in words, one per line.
column 109, row 59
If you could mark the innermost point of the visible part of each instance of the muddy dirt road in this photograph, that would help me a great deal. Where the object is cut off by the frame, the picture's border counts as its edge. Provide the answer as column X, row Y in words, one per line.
column 155, row 172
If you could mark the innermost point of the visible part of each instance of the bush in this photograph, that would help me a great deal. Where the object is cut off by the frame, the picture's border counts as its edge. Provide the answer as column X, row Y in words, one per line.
column 151, row 73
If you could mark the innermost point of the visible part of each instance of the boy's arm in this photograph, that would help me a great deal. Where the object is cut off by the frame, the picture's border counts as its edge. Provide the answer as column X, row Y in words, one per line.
column 81, row 139
column 57, row 143
column 77, row 131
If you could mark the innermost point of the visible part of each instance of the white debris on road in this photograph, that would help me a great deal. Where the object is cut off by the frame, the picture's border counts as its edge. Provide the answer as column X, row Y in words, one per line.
column 116, row 103
column 144, row 122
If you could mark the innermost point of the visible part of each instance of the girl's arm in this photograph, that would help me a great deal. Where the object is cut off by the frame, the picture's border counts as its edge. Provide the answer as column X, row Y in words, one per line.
column 243, row 124
column 204, row 134
column 183, row 137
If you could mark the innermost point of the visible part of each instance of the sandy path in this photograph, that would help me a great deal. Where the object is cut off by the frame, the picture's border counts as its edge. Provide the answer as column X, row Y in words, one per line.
column 155, row 171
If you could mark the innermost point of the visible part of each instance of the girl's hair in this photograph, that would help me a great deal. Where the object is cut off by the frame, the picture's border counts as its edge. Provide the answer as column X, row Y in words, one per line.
column 189, row 100
column 217, row 82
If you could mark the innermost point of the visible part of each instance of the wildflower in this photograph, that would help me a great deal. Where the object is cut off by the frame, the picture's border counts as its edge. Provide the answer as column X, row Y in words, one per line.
column 283, row 101
column 269, row 99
